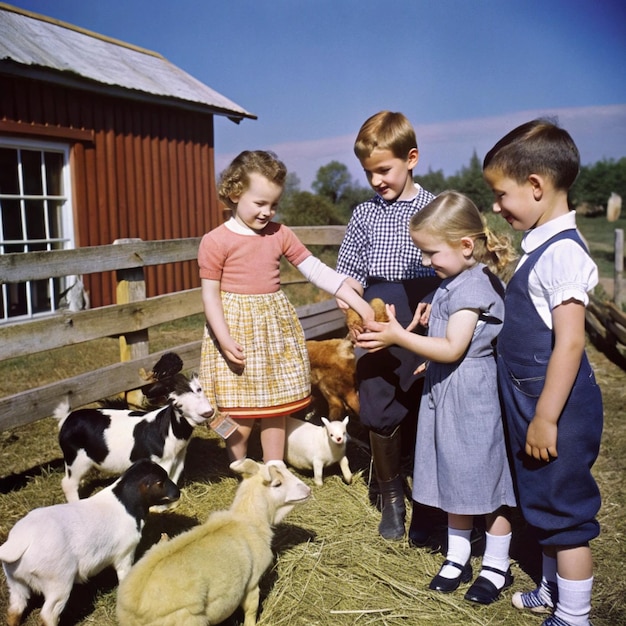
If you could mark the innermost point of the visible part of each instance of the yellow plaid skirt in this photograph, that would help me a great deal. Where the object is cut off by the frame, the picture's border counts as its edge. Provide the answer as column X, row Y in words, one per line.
column 276, row 379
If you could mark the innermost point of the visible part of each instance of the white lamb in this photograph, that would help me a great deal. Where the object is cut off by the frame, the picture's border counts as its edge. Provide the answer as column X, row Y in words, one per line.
column 53, row 547
column 308, row 446
column 201, row 576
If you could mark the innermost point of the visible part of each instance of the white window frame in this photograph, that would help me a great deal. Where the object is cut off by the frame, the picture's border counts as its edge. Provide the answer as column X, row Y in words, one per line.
column 67, row 239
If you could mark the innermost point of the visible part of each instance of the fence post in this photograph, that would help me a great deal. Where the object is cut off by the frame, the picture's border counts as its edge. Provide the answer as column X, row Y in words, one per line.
column 618, row 292
column 131, row 287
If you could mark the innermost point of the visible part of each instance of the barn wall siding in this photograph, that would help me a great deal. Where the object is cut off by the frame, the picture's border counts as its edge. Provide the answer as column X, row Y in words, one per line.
column 146, row 172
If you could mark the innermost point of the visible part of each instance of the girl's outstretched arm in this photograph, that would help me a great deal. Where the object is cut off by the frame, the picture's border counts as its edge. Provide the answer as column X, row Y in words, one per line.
column 448, row 349
column 214, row 313
column 356, row 286
column 345, row 289
column 352, row 298
column 568, row 320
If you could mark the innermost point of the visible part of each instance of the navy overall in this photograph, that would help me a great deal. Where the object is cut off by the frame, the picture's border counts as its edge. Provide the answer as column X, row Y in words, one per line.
column 559, row 499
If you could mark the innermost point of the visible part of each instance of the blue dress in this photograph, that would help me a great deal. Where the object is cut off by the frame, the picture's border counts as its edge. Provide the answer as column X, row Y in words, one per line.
column 461, row 463
column 560, row 499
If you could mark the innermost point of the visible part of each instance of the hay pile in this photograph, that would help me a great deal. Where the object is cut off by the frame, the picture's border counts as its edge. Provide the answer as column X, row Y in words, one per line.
column 331, row 568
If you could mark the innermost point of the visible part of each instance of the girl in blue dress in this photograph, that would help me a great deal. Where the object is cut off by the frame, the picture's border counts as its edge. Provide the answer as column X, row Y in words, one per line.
column 461, row 463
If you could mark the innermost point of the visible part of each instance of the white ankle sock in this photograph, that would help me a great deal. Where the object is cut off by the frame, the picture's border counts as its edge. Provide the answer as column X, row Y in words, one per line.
column 497, row 556
column 574, row 604
column 459, row 551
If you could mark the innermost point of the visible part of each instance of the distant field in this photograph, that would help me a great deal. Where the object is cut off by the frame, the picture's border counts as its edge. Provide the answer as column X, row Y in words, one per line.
column 600, row 236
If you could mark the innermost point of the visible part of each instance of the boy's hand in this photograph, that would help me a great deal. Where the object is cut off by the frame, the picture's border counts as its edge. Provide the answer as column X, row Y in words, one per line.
column 421, row 368
column 541, row 439
column 421, row 316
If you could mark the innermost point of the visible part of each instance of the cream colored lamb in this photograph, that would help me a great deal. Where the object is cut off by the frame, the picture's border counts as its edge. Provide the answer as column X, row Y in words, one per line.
column 312, row 447
column 201, row 576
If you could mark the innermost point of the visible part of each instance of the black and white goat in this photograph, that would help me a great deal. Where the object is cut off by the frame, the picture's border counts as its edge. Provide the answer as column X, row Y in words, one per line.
column 112, row 439
column 53, row 547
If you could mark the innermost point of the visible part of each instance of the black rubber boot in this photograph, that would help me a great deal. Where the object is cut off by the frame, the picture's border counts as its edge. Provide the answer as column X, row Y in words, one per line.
column 373, row 490
column 421, row 526
column 386, row 458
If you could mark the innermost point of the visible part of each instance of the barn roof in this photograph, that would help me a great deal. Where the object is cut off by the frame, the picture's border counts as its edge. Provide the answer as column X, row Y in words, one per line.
column 41, row 47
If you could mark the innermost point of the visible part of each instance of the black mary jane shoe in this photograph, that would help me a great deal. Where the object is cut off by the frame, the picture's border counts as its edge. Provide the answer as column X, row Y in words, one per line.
column 483, row 591
column 447, row 585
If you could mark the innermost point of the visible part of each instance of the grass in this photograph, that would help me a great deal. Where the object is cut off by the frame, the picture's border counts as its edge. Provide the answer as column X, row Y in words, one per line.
column 600, row 236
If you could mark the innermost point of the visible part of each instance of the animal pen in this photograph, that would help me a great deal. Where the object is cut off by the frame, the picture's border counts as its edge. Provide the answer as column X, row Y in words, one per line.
column 331, row 568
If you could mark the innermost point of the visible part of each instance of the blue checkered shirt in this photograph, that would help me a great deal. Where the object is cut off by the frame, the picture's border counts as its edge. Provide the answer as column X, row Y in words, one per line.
column 377, row 244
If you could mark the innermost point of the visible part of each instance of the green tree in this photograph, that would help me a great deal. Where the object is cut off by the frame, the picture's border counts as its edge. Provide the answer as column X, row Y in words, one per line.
column 292, row 184
column 332, row 181
column 435, row 182
column 470, row 181
column 302, row 208
column 335, row 183
column 596, row 182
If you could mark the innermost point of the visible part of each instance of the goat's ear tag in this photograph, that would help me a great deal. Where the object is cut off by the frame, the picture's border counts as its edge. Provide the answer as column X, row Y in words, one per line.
column 223, row 425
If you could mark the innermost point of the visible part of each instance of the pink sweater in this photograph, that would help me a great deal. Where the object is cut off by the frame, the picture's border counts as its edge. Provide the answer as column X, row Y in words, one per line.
column 249, row 264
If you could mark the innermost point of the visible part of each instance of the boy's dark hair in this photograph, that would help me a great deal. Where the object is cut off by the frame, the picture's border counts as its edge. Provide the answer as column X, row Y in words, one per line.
column 235, row 179
column 536, row 147
column 385, row 131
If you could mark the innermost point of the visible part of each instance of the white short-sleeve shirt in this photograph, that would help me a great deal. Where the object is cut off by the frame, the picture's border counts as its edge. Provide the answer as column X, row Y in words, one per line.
column 563, row 272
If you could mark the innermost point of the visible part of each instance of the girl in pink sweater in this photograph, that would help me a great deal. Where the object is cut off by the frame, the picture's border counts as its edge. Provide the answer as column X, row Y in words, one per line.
column 254, row 362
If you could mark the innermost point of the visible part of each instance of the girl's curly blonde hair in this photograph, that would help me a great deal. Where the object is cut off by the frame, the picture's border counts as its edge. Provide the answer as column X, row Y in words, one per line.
column 452, row 216
column 235, row 179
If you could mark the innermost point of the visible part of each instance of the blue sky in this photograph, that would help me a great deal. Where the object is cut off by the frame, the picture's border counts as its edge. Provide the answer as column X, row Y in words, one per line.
column 463, row 71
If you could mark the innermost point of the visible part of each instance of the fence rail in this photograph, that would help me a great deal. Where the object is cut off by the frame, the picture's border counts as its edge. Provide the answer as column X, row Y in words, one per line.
column 129, row 319
column 606, row 320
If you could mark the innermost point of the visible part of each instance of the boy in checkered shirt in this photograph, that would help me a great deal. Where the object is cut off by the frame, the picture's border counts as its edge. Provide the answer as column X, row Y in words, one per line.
column 380, row 259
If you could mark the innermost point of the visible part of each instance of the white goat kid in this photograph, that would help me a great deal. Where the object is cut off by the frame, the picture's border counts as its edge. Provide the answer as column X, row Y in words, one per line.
column 312, row 447
column 53, row 547
column 112, row 439
column 201, row 576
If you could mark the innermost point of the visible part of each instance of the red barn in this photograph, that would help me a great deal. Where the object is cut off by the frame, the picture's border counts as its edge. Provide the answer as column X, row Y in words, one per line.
column 99, row 140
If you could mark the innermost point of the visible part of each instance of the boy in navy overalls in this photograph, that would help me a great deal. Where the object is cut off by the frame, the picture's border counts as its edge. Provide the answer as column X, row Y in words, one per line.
column 552, row 403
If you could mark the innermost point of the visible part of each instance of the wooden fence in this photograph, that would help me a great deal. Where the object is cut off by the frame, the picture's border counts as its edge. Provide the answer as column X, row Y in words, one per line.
column 605, row 319
column 134, row 314
column 129, row 319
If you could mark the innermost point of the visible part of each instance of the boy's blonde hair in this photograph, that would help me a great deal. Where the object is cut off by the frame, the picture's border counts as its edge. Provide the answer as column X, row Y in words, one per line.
column 235, row 179
column 536, row 147
column 386, row 131
column 452, row 216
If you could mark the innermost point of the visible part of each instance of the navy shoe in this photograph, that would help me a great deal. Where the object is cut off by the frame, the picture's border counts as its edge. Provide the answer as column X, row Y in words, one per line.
column 553, row 620
column 543, row 599
column 447, row 585
column 483, row 591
